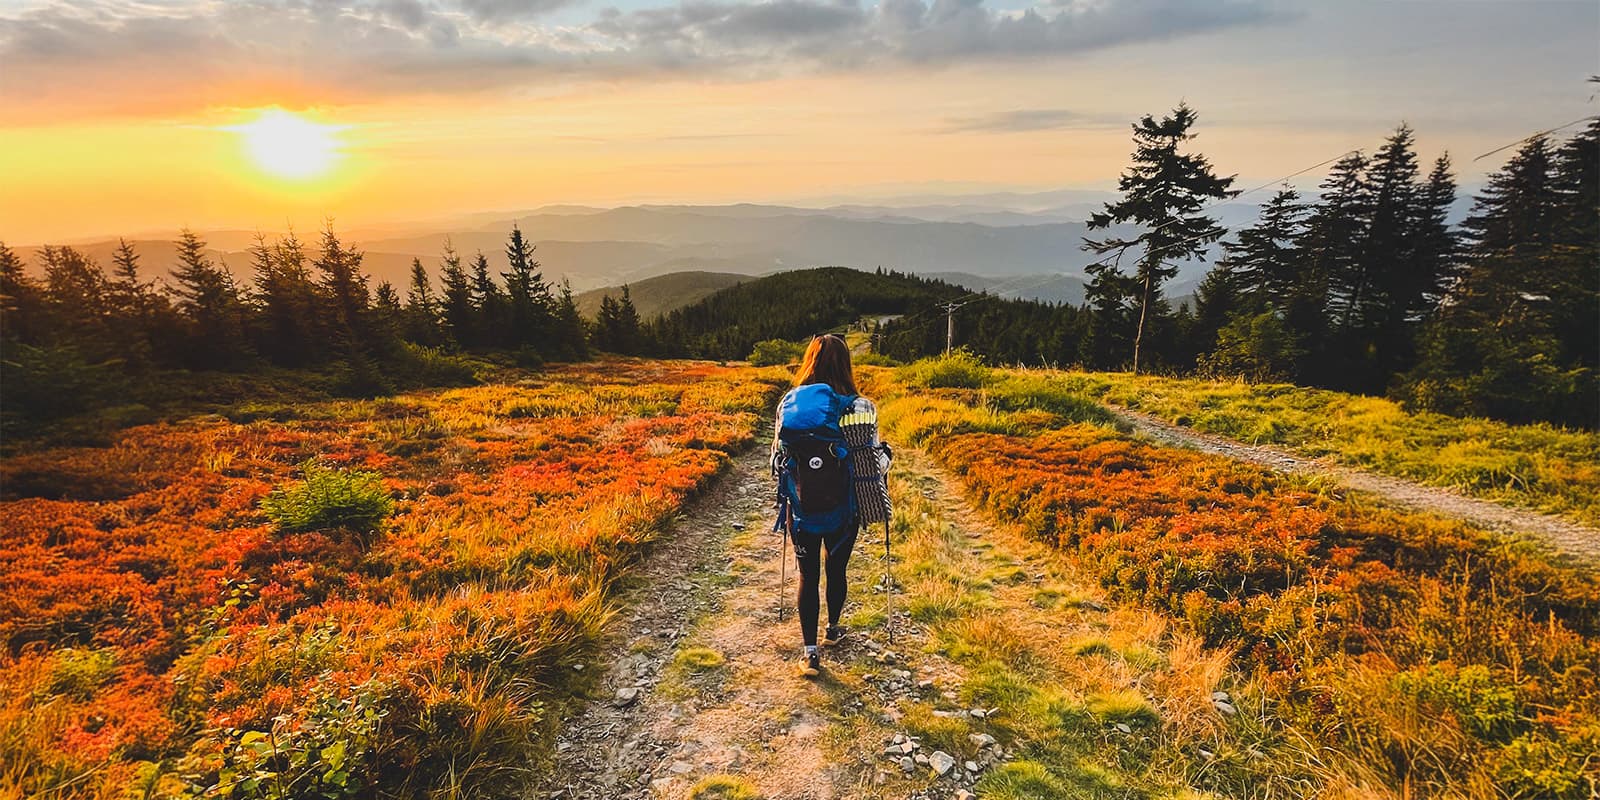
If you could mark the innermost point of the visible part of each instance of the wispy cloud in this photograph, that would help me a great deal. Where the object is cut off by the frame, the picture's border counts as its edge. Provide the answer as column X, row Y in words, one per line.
column 103, row 54
column 1031, row 119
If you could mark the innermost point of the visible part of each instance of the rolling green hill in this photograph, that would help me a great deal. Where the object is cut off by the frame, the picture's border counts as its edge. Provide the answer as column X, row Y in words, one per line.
column 791, row 305
column 656, row 296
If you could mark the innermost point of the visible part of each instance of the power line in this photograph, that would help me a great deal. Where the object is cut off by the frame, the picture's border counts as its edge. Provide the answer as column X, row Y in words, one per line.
column 1531, row 137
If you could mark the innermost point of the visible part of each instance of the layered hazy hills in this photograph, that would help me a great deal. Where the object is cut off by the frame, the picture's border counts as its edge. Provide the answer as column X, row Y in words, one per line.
column 655, row 296
column 1010, row 244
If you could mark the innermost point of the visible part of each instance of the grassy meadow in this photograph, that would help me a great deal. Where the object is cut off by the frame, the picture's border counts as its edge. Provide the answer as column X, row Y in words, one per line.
column 338, row 598
column 1389, row 654
column 1545, row 467
column 341, row 598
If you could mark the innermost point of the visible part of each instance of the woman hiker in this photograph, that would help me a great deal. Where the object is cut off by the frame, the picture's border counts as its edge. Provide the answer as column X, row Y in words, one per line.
column 826, row 435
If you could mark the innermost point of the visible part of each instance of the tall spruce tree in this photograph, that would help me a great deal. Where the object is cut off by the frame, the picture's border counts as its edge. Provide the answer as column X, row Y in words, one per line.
column 1264, row 258
column 1435, row 249
column 1575, row 288
column 388, row 317
column 1515, row 337
column 457, row 307
column 617, row 326
column 571, row 333
column 530, row 308
column 1518, row 207
column 422, row 311
column 209, row 302
column 290, row 304
column 133, row 307
column 1331, row 250
column 344, row 293
column 21, row 300
column 1379, row 291
column 1219, row 298
column 1112, row 298
column 488, row 306
column 1163, row 191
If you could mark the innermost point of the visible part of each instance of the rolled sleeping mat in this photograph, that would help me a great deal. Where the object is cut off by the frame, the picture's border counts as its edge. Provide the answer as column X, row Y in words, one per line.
column 871, row 485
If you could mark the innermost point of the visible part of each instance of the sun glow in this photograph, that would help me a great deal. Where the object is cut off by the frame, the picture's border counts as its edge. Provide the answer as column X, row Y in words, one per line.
column 286, row 145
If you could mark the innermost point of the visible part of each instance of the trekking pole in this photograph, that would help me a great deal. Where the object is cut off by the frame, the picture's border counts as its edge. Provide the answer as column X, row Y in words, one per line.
column 783, row 568
column 888, row 584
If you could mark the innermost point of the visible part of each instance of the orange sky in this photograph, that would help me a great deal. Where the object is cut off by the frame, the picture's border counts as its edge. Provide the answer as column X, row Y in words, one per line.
column 146, row 148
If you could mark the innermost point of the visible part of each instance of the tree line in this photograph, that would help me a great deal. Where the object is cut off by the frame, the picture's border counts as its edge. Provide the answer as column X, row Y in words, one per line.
column 1365, row 287
column 79, row 334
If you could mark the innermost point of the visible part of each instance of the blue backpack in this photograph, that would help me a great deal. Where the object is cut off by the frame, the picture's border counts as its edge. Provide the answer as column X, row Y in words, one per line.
column 815, row 494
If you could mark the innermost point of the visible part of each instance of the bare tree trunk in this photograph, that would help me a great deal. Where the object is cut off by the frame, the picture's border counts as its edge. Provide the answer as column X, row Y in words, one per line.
column 1138, row 334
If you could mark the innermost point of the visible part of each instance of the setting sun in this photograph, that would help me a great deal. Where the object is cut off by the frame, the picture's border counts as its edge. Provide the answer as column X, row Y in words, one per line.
column 286, row 145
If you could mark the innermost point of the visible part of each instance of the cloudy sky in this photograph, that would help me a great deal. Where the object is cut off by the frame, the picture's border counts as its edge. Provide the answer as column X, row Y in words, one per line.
column 125, row 115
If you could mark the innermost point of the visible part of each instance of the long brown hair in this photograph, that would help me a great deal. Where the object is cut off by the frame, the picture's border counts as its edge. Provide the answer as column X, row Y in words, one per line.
column 828, row 361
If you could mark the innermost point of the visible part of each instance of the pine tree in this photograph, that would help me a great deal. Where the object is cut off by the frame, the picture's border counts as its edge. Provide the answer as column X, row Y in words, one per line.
column 76, row 287
column 125, row 271
column 488, row 306
column 1515, row 337
column 570, row 329
column 1331, row 250
column 209, row 302
column 1264, row 260
column 133, row 307
column 605, row 324
column 529, row 305
column 1217, row 299
column 456, row 304
column 291, row 322
column 422, row 312
column 1113, row 302
column 344, row 294
column 1577, row 186
column 1573, row 286
column 1370, row 291
column 21, row 300
column 1519, row 206
column 388, row 317
column 628, row 322
column 1163, row 191
column 1435, row 250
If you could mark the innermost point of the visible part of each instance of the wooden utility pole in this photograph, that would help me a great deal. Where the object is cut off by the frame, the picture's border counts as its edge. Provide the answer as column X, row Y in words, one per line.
column 950, row 325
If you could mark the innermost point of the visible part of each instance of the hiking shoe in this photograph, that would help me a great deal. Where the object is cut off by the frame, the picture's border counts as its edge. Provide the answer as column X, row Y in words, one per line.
column 834, row 635
column 811, row 667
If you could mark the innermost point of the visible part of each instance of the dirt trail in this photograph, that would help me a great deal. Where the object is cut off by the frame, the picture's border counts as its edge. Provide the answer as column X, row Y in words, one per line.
column 718, row 697
column 1563, row 535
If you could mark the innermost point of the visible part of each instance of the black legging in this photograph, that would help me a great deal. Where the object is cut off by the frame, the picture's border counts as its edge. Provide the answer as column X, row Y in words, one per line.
column 808, row 553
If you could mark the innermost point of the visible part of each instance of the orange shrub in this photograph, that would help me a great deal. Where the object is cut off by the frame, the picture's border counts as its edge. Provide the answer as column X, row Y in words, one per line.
column 1329, row 602
column 154, row 624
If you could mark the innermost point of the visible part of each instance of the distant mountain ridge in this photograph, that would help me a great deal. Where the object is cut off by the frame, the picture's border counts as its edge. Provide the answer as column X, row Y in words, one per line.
column 980, row 242
column 653, row 297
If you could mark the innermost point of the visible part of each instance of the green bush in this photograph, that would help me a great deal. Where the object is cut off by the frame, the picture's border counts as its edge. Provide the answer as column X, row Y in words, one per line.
column 322, row 750
column 432, row 366
column 1256, row 347
column 330, row 499
column 776, row 353
column 874, row 360
column 1486, row 709
column 1023, row 780
column 78, row 672
column 1532, row 766
column 1127, row 707
column 960, row 369
column 53, row 382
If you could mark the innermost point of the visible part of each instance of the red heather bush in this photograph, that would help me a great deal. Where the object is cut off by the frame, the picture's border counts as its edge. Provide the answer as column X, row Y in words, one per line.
column 515, row 508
